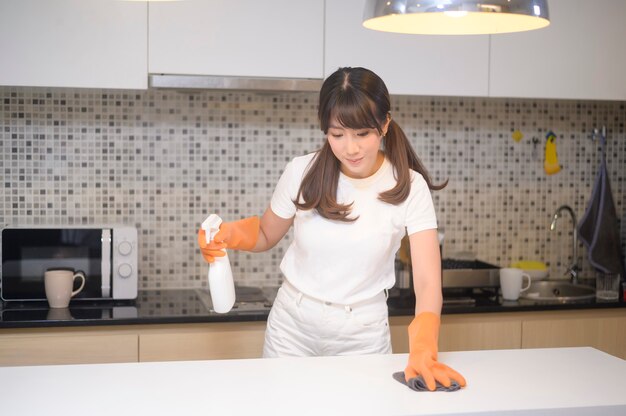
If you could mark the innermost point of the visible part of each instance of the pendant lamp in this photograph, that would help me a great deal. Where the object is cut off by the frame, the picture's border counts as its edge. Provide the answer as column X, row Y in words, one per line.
column 455, row 17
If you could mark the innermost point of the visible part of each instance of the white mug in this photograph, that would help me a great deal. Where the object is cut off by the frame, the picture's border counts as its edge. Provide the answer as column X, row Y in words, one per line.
column 59, row 284
column 511, row 283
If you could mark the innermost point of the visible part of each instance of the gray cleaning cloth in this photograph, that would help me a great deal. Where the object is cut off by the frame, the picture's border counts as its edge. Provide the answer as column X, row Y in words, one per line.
column 598, row 229
column 418, row 383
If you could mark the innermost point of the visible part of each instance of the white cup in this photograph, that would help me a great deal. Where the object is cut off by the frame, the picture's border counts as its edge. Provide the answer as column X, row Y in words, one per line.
column 511, row 283
column 59, row 284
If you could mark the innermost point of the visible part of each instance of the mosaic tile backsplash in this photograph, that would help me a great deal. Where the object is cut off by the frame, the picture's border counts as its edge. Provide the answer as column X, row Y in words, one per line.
column 163, row 160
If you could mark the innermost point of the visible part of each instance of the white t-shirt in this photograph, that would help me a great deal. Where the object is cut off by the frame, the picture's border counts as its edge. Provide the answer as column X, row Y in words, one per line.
column 348, row 262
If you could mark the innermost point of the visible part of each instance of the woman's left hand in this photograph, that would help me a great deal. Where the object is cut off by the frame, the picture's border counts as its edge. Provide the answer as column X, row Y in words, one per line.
column 423, row 335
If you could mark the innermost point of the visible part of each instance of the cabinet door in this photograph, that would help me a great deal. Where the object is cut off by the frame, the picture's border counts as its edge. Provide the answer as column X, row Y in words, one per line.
column 399, row 337
column 203, row 342
column 73, row 43
column 582, row 54
column 458, row 333
column 606, row 333
column 409, row 64
column 271, row 38
column 68, row 349
column 465, row 332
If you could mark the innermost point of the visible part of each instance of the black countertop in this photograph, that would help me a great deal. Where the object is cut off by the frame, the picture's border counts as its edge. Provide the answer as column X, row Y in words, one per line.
column 253, row 304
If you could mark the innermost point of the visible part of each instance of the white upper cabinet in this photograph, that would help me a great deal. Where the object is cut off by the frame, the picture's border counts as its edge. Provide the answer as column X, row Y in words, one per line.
column 409, row 64
column 73, row 43
column 581, row 55
column 270, row 38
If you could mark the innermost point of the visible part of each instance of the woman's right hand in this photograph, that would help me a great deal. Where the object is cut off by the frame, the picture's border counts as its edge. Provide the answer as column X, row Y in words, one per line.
column 210, row 250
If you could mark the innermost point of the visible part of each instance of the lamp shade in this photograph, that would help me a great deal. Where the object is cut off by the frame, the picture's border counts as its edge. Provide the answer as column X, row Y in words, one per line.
column 455, row 17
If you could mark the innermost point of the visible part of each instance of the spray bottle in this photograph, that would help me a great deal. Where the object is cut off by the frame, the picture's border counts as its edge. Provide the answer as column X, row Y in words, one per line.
column 221, row 284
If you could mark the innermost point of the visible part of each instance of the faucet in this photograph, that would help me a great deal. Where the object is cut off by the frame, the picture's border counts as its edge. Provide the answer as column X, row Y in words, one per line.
column 573, row 269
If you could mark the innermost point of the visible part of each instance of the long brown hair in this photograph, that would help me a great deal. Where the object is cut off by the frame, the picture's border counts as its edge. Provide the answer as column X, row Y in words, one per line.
column 357, row 98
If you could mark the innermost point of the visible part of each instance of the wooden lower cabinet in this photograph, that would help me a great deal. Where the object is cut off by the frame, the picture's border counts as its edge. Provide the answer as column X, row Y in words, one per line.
column 604, row 329
column 601, row 329
column 466, row 332
column 45, row 347
column 202, row 341
column 399, row 335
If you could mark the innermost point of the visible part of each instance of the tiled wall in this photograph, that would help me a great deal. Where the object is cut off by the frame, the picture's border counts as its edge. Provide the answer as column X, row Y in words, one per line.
column 163, row 160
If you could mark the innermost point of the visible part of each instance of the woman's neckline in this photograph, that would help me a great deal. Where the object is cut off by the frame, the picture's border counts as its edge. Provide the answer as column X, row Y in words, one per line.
column 363, row 182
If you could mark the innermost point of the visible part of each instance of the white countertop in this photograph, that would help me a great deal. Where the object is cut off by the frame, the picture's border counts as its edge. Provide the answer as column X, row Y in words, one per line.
column 558, row 381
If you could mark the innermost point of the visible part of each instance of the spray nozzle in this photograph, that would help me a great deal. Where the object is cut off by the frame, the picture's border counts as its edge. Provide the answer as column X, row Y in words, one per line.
column 211, row 226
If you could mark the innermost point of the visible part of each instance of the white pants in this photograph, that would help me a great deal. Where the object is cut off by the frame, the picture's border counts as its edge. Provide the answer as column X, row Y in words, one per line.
column 300, row 326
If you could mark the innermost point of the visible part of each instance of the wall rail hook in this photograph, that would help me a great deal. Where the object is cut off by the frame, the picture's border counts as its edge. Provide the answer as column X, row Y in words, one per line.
column 598, row 133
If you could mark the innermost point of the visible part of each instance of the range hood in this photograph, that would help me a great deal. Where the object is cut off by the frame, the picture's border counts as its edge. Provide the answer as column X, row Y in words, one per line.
column 204, row 82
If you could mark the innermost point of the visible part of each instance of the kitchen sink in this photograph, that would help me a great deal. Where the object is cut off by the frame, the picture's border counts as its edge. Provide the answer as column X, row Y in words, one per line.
column 560, row 292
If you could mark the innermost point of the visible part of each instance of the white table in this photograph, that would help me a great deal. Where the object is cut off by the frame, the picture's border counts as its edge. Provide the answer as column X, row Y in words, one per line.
column 559, row 381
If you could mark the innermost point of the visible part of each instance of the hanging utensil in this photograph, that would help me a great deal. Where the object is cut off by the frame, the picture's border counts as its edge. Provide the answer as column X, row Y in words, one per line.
column 551, row 161
column 535, row 152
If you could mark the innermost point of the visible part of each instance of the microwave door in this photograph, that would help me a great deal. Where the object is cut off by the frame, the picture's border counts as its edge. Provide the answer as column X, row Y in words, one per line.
column 105, row 266
column 28, row 252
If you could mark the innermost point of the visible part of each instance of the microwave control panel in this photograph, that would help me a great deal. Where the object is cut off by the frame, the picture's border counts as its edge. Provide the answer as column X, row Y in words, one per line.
column 125, row 260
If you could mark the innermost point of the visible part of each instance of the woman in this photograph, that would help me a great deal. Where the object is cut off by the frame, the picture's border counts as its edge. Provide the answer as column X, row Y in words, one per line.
column 350, row 203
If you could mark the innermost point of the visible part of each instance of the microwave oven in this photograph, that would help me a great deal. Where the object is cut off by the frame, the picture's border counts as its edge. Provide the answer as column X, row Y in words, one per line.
column 107, row 256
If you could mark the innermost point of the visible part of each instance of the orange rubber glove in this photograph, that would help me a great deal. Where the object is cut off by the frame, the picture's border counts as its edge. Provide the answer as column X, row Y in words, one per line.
column 238, row 235
column 423, row 337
